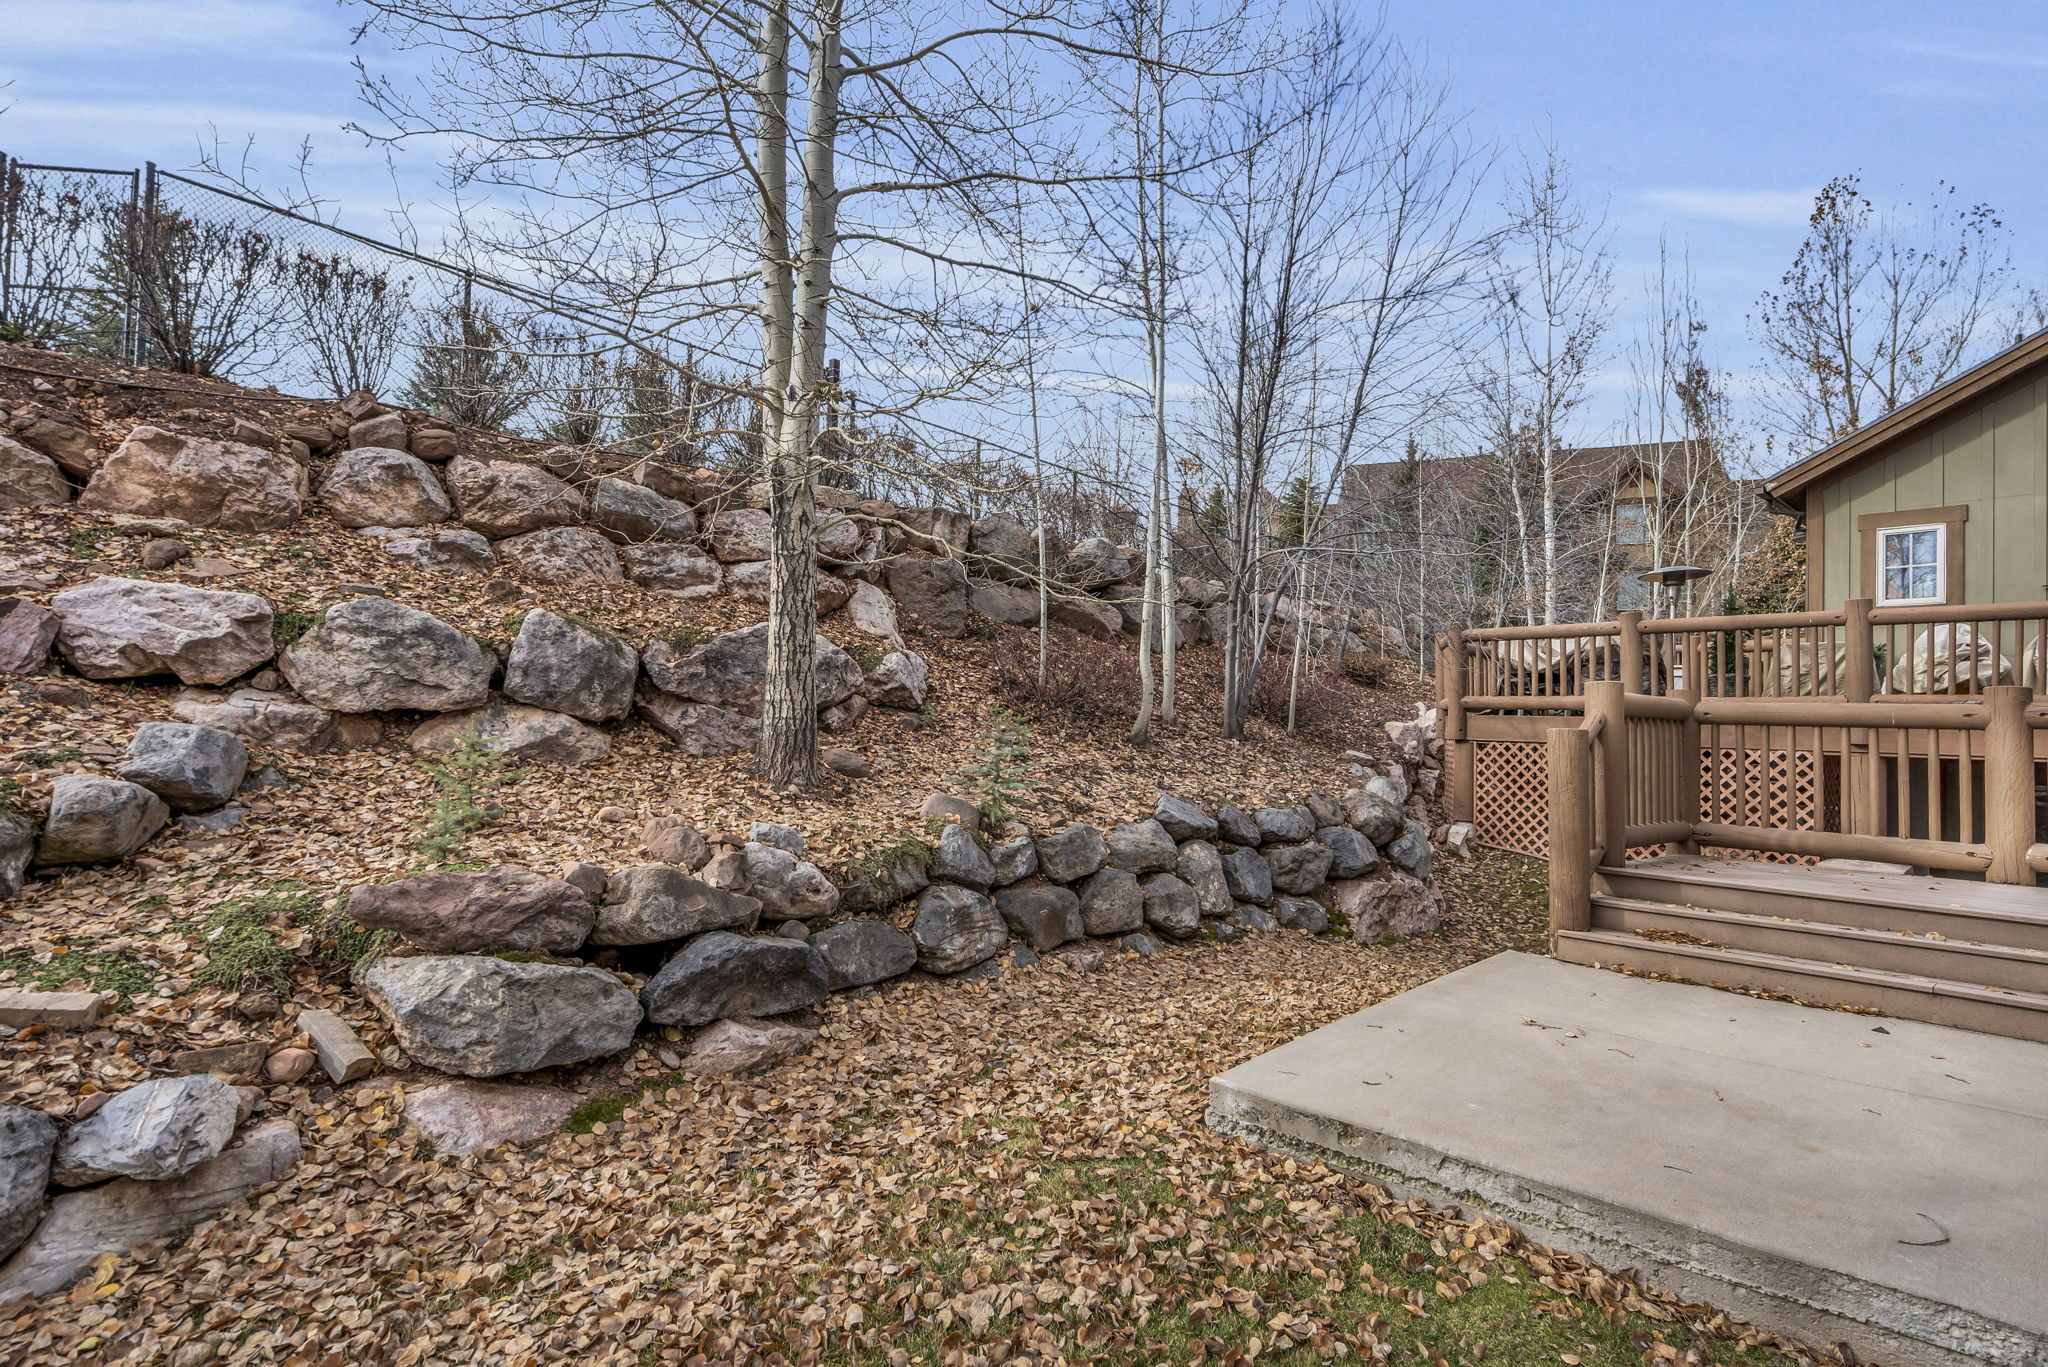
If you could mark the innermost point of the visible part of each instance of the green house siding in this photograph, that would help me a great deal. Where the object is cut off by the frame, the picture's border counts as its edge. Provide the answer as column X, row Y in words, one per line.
column 1992, row 459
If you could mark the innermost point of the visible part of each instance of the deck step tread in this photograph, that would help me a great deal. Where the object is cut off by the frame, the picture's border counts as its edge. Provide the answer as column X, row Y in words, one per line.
column 1911, row 892
column 1712, row 915
column 1624, row 941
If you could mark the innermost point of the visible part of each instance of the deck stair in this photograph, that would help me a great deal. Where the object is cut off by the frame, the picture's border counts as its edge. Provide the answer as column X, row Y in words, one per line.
column 1943, row 950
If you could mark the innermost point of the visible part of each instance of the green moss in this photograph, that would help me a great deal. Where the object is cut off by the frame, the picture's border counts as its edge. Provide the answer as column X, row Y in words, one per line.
column 599, row 1110
column 50, row 759
column 865, row 655
column 242, row 948
column 888, row 858
column 10, row 797
column 120, row 971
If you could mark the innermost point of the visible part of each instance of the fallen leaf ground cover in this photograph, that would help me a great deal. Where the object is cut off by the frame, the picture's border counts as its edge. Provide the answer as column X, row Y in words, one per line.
column 1002, row 1171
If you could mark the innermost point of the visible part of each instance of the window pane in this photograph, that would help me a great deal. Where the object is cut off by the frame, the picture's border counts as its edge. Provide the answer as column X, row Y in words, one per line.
column 1923, row 581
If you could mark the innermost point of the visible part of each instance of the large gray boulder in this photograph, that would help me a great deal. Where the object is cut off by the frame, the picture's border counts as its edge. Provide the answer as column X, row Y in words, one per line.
column 729, row 670
column 1297, row 869
column 1284, row 825
column 562, row 555
column 92, row 820
column 1234, row 826
column 649, row 903
column 154, row 1130
column 722, row 974
column 629, row 513
column 27, row 1140
column 199, row 480
column 84, row 1226
column 373, row 655
column 1200, row 866
column 1111, row 902
column 17, row 848
column 697, row 728
column 857, row 953
column 1015, row 859
column 566, row 665
column 374, row 486
column 961, row 859
column 263, row 717
column 1298, row 913
column 955, row 929
column 934, row 591
column 127, row 628
column 1093, row 563
column 880, row 880
column 1411, row 850
column 1182, row 819
column 29, row 479
column 741, row 534
column 1248, row 876
column 192, row 768
column 1390, row 905
column 872, row 612
column 899, row 681
column 1373, row 816
column 679, row 571
column 1072, row 854
column 1042, row 915
column 1141, row 847
column 502, row 498
column 526, row 735
column 456, row 550
column 1171, row 906
column 1004, row 548
column 484, row 1017
column 1010, row 604
column 787, row 887
column 506, row 908
column 1351, row 854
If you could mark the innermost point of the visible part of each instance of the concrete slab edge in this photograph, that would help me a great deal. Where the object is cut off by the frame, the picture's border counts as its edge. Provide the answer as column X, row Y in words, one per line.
column 1886, row 1327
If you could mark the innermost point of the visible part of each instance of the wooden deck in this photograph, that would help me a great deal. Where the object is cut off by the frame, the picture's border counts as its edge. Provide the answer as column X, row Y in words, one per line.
column 1946, row 950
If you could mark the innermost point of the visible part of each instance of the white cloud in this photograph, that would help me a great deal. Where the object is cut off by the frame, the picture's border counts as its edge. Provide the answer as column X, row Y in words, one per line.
column 98, row 27
column 1736, row 206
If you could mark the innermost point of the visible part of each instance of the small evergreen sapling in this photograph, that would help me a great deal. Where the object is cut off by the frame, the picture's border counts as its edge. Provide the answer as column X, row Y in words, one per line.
column 467, row 778
column 1000, row 778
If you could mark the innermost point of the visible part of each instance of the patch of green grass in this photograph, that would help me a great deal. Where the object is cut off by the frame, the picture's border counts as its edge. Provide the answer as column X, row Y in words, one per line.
column 884, row 861
column 599, row 1110
column 242, row 949
column 337, row 941
column 50, row 759
column 684, row 635
column 84, row 542
column 865, row 655
column 289, row 624
column 10, row 797
column 120, row 971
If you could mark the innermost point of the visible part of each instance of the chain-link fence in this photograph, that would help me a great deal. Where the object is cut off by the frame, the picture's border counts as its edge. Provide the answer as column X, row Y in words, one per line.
column 148, row 267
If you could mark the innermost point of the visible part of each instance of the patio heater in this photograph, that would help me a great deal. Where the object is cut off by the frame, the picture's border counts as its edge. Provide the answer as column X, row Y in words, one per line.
column 1676, row 581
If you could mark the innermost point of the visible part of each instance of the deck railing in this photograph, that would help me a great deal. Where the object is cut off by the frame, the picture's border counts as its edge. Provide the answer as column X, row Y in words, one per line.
column 1913, row 735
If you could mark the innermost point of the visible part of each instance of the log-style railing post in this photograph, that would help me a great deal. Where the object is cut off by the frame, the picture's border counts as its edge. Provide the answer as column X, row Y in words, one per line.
column 1457, row 749
column 1634, row 667
column 1607, row 699
column 1570, row 754
column 1864, row 782
column 2008, row 784
column 1685, row 783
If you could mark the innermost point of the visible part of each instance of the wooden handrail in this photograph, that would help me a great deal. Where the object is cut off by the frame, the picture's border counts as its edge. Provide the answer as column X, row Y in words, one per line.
column 1961, row 714
column 1935, row 854
column 1557, row 632
column 1958, row 612
column 1657, row 708
column 1659, row 833
column 1526, row 702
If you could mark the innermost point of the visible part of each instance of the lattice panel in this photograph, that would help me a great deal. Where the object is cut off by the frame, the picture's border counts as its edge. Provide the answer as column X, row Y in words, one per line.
column 1784, row 789
column 1511, row 795
column 1780, row 789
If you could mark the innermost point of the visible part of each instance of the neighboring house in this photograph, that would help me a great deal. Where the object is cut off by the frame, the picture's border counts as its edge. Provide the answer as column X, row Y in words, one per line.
column 1943, row 501
column 1623, row 509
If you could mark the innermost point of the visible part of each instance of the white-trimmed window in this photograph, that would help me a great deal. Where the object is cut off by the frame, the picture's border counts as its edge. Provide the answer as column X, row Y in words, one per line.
column 1912, row 565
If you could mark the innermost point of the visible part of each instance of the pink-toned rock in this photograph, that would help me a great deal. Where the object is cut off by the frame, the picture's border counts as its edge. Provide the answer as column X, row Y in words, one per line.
column 741, row 1044
column 27, row 631
column 28, row 478
column 505, row 908
column 463, row 1118
column 205, row 482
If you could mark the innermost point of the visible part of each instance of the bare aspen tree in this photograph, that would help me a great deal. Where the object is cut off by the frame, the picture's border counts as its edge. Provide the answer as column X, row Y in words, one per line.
column 714, row 168
column 1879, row 306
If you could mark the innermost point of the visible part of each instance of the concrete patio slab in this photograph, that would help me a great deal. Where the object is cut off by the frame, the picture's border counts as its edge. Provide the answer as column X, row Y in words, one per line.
column 1822, row 1174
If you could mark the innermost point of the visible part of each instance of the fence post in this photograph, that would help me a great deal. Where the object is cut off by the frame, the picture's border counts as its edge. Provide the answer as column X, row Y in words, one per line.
column 1451, row 686
column 1864, row 793
column 2009, row 784
column 7, row 205
column 1633, row 664
column 1570, row 756
column 1607, row 699
column 142, row 245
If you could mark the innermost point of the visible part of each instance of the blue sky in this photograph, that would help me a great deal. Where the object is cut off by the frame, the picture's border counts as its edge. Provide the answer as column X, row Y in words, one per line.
column 1709, row 123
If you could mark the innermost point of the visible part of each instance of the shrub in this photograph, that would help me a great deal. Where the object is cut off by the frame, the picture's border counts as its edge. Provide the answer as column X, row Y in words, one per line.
column 1084, row 677
column 466, row 779
column 1319, row 706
